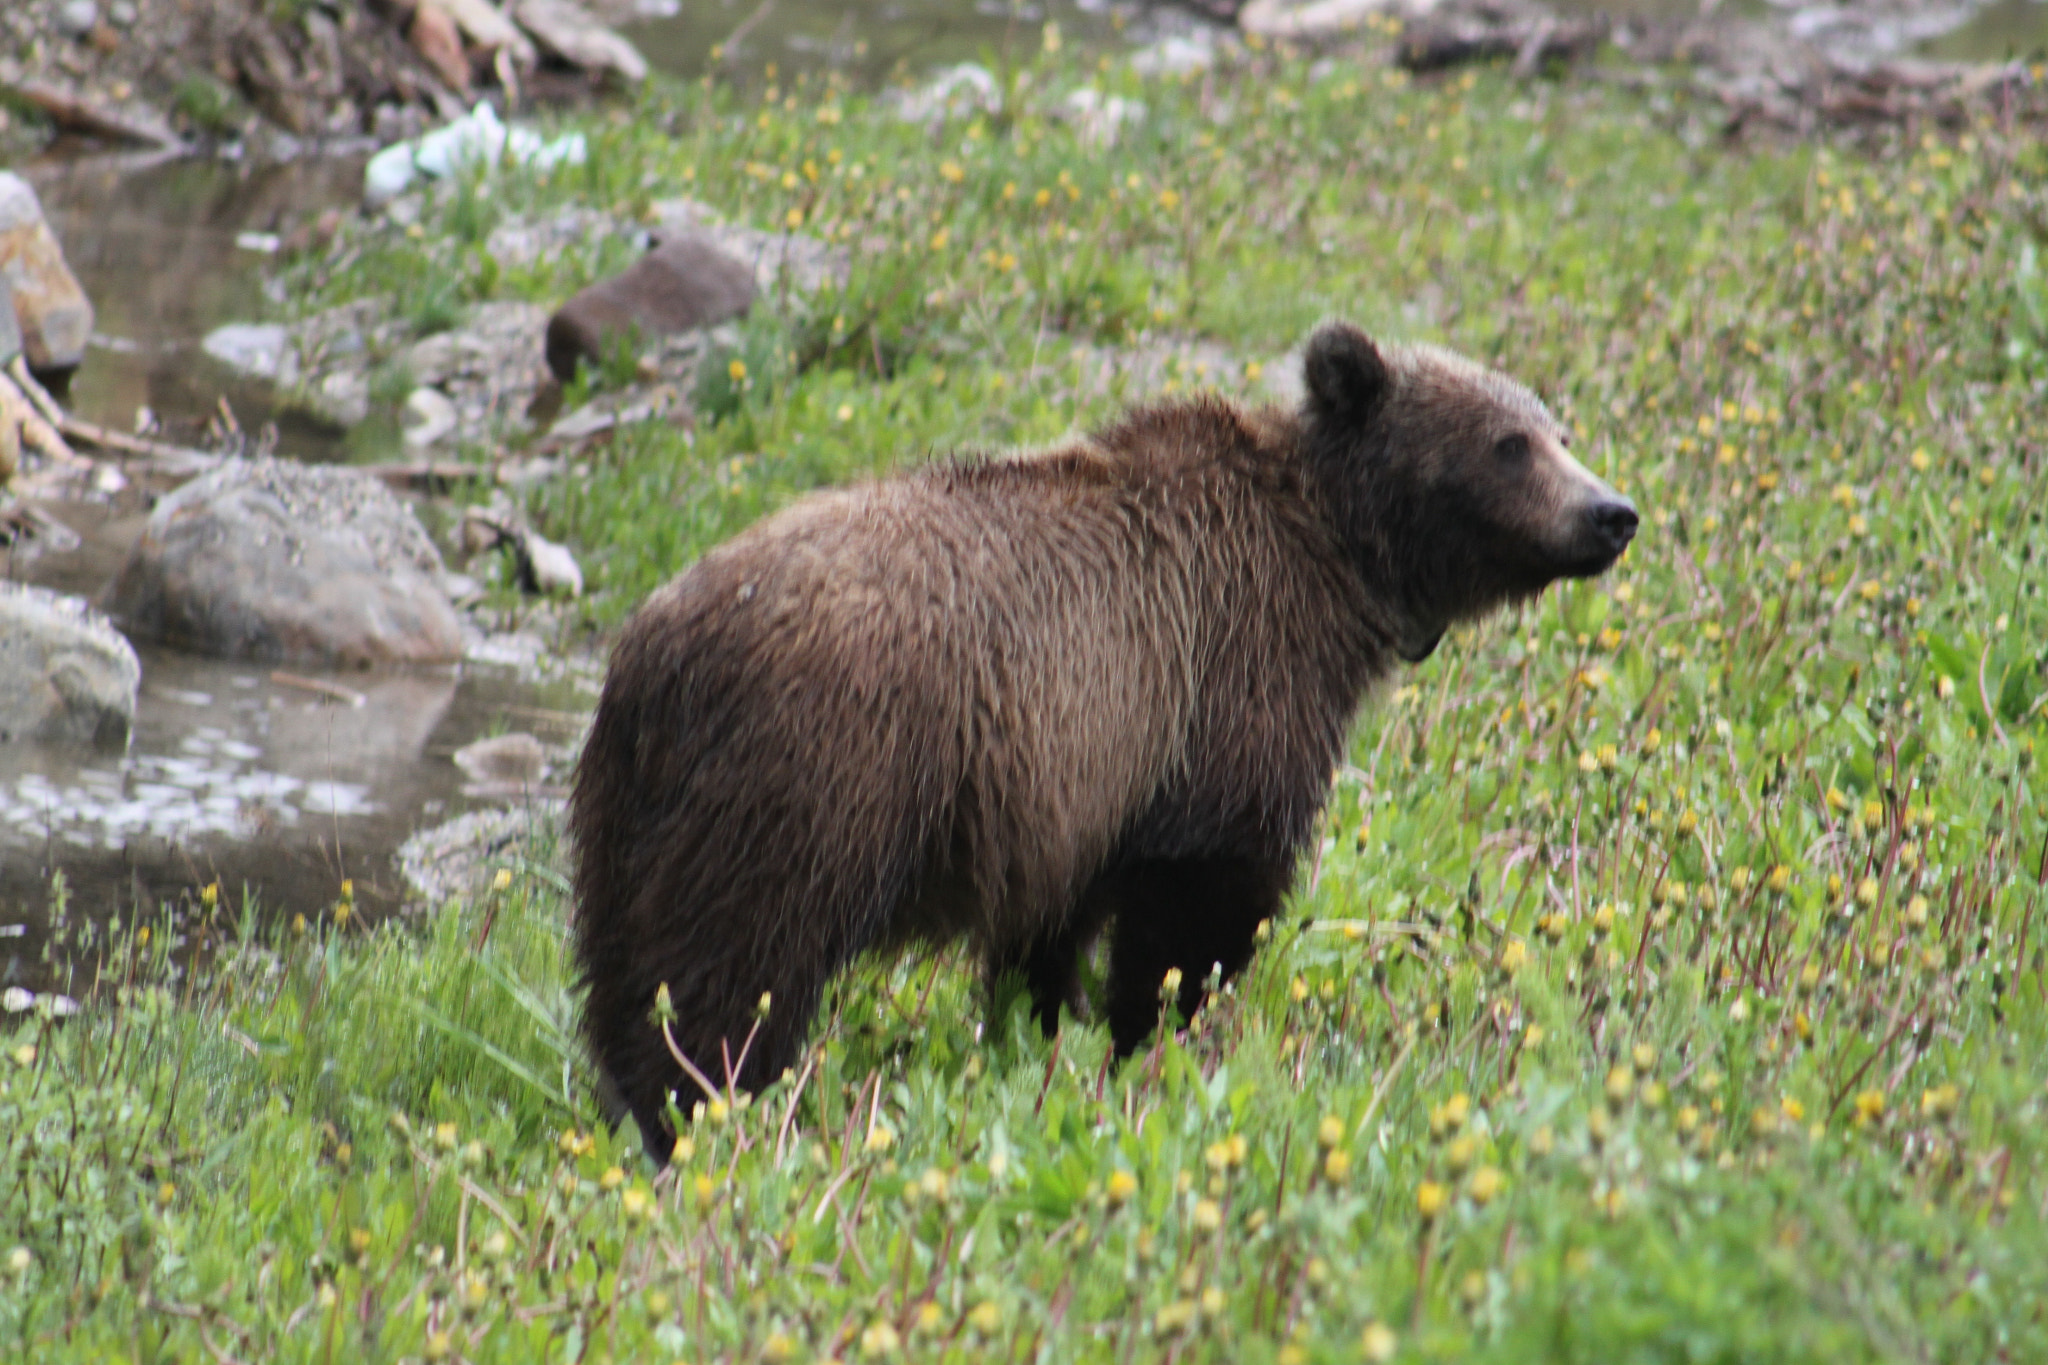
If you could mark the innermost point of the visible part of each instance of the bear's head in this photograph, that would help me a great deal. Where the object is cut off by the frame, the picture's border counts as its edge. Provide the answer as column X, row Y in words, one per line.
column 1451, row 485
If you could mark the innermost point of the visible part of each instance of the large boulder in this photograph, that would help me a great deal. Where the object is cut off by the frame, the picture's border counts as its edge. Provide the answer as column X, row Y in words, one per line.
column 267, row 559
column 50, row 308
column 66, row 675
column 686, row 283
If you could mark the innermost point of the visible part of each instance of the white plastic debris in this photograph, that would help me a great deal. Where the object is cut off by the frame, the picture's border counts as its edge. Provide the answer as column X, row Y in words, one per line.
column 1100, row 118
column 968, row 88
column 429, row 416
column 477, row 139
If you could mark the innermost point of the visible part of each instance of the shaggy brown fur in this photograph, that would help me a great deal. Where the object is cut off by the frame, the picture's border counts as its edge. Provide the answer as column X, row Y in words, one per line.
column 1026, row 699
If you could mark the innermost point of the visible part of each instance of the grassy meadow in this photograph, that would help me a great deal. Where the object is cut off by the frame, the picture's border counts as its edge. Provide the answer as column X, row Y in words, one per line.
column 1668, row 984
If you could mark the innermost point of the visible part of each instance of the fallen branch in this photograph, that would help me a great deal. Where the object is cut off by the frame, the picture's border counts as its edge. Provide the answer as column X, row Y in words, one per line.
column 36, row 431
column 432, row 476
column 1531, row 43
column 17, row 369
column 174, row 459
column 73, row 114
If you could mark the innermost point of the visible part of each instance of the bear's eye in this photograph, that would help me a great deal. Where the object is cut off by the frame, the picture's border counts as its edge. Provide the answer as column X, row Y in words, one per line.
column 1512, row 449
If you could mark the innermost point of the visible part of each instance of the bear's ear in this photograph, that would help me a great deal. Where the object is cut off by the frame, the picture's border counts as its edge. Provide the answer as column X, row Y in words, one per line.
column 1345, row 373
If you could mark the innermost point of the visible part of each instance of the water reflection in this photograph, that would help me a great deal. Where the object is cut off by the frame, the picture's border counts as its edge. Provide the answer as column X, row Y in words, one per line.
column 248, row 777
column 162, row 248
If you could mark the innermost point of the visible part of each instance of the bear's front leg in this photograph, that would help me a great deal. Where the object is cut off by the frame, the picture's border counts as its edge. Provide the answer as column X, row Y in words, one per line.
column 1195, row 914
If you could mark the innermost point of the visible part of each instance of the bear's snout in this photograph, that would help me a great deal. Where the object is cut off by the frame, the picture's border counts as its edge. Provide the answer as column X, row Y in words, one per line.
column 1614, row 523
column 1605, row 527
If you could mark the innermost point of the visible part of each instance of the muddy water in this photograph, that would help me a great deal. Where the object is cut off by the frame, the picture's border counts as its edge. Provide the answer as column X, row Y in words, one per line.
column 168, row 249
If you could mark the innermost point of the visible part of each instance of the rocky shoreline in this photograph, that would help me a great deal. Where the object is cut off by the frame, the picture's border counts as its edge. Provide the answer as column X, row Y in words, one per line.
column 287, row 79
column 247, row 77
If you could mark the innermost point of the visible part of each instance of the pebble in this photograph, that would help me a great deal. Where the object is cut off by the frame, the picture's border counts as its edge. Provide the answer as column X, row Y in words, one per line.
column 76, row 18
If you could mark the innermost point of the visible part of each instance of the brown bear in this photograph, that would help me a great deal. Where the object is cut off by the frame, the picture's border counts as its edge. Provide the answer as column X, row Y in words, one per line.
column 1028, row 699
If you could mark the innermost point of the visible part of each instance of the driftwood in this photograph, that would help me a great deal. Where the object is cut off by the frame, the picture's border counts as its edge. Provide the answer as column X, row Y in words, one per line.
column 432, row 476
column 45, row 425
column 173, row 459
column 76, row 114
column 18, row 410
column 1532, row 43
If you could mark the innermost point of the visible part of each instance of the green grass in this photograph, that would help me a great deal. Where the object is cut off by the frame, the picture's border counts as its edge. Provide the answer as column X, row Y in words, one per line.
column 1667, row 985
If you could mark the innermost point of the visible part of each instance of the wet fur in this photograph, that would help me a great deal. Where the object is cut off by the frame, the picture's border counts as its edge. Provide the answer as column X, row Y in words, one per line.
column 1026, row 701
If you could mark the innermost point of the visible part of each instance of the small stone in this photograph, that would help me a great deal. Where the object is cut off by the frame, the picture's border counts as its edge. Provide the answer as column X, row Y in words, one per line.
column 513, row 760
column 462, row 857
column 260, row 350
column 121, row 14
column 77, row 18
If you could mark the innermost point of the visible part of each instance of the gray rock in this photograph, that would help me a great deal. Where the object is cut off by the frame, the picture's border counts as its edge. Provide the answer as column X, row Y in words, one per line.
column 504, row 766
column 568, row 31
column 488, row 366
column 267, row 559
column 684, row 284
column 77, row 18
column 50, row 308
column 66, row 674
column 10, row 327
column 261, row 350
column 463, row 857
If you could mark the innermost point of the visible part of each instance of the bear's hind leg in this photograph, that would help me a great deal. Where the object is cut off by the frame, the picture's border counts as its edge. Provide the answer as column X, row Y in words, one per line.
column 1195, row 914
column 1051, row 966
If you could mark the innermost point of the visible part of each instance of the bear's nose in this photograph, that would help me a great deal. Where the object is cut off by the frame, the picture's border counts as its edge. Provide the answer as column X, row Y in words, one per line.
column 1616, row 523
